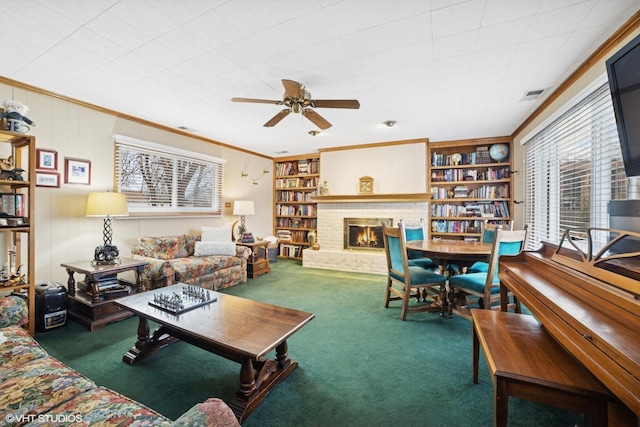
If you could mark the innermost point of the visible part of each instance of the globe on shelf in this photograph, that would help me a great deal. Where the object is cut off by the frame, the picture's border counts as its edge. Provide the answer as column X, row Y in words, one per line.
column 499, row 152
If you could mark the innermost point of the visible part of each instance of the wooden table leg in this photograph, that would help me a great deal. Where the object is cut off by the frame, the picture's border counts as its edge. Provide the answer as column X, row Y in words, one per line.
column 71, row 282
column 500, row 401
column 258, row 378
column 139, row 285
column 147, row 344
column 92, row 285
column 476, row 353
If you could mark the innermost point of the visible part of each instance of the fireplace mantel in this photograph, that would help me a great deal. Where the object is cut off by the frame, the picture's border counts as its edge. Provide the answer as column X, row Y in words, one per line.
column 351, row 198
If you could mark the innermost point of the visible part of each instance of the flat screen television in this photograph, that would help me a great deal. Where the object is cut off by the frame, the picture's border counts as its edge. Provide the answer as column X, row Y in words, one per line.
column 623, row 70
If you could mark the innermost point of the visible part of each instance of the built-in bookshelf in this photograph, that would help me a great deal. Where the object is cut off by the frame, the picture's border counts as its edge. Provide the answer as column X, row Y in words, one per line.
column 470, row 181
column 295, row 212
column 17, row 219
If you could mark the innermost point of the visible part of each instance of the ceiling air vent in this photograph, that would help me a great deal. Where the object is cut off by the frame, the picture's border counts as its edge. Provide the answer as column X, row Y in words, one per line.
column 530, row 95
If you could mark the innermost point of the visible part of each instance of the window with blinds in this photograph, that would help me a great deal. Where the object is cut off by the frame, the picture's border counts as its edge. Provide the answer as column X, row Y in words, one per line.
column 162, row 180
column 573, row 169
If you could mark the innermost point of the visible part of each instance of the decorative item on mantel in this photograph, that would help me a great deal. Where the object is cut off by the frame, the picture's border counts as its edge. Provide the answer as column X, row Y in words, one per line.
column 324, row 188
column 365, row 185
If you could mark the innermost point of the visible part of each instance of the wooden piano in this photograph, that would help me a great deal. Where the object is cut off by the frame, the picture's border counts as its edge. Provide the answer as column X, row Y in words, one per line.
column 586, row 293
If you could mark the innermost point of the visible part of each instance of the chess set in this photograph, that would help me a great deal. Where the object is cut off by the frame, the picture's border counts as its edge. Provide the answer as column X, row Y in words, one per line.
column 178, row 303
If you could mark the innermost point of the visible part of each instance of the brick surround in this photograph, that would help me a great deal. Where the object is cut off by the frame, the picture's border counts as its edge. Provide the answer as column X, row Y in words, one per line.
column 332, row 255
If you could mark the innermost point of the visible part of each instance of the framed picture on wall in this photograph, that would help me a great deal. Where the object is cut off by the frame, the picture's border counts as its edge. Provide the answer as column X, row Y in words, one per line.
column 46, row 159
column 77, row 171
column 47, row 179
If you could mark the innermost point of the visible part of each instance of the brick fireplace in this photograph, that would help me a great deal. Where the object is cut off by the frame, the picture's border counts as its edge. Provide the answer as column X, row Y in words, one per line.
column 331, row 230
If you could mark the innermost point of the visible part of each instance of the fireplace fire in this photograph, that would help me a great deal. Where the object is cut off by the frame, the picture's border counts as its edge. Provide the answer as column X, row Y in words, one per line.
column 365, row 233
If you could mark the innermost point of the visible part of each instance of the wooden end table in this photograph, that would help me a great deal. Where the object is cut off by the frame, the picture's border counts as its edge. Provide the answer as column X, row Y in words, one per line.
column 87, row 304
column 256, row 265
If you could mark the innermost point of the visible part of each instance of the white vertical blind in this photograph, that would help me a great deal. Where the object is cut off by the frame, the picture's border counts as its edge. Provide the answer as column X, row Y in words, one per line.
column 160, row 180
column 573, row 169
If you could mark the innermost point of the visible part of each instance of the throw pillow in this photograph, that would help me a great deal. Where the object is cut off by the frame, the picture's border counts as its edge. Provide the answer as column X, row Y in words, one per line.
column 216, row 234
column 215, row 248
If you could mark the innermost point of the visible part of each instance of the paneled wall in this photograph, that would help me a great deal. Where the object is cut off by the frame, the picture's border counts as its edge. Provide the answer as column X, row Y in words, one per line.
column 64, row 234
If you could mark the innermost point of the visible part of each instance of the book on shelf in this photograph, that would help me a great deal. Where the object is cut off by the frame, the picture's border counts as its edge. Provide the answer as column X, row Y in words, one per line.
column 283, row 234
column 482, row 155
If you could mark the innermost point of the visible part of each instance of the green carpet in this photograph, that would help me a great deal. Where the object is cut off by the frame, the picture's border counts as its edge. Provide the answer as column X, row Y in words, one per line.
column 360, row 365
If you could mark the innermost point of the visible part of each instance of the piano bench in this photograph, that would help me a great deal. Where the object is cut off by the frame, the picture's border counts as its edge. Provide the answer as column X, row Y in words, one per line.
column 527, row 363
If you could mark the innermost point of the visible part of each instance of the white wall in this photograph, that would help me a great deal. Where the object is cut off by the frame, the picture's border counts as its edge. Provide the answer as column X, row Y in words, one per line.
column 64, row 234
column 396, row 169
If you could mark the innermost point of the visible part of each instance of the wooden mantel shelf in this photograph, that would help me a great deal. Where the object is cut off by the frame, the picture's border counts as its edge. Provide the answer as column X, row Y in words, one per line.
column 363, row 198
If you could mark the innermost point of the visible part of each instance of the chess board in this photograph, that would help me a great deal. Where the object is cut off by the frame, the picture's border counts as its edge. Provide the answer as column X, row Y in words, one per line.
column 179, row 302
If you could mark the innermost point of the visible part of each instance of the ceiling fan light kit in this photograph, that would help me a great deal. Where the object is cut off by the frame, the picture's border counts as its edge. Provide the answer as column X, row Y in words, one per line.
column 298, row 100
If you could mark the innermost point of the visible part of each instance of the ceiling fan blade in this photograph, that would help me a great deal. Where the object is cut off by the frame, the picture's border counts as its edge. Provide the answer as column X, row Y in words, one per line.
column 336, row 103
column 257, row 101
column 276, row 119
column 292, row 89
column 316, row 118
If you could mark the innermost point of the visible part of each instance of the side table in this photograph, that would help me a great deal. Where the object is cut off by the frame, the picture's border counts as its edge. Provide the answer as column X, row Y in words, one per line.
column 256, row 265
column 87, row 304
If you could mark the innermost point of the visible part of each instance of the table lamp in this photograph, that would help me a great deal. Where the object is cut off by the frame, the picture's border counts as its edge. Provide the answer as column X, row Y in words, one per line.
column 108, row 205
column 242, row 208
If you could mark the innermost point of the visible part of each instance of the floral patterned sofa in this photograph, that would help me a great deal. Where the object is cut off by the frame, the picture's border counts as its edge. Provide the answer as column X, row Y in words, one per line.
column 188, row 259
column 38, row 390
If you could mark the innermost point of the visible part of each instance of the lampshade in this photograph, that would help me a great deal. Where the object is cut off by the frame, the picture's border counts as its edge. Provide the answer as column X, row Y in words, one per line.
column 243, row 207
column 107, row 204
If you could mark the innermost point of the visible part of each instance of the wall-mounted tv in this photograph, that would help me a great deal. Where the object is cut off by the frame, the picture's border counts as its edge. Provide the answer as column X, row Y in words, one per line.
column 623, row 70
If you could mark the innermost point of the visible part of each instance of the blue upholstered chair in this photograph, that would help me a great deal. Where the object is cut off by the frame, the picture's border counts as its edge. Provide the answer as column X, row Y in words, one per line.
column 405, row 282
column 417, row 232
column 484, row 287
column 488, row 233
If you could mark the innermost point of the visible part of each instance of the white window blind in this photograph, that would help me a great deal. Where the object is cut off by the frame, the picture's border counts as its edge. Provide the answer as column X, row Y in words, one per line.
column 573, row 169
column 162, row 180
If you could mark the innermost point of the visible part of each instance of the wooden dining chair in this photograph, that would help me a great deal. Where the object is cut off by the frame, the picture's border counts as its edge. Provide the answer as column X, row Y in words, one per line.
column 405, row 282
column 489, row 228
column 417, row 232
column 484, row 287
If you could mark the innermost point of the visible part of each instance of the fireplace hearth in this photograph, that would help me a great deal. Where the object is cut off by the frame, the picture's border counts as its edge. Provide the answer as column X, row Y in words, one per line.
column 365, row 233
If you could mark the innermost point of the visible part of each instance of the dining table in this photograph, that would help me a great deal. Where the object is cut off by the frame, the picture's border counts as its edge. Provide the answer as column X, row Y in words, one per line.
column 448, row 252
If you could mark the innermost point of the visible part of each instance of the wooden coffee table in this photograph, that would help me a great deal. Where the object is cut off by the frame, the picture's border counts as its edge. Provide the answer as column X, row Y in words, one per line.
column 236, row 328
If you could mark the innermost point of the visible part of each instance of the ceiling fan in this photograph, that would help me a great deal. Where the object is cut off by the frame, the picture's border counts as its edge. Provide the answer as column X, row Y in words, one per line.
column 298, row 100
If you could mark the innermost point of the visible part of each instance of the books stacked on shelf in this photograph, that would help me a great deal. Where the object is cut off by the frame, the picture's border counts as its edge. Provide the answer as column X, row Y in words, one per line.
column 284, row 235
column 289, row 222
column 499, row 209
column 464, row 226
column 299, row 210
column 13, row 204
column 460, row 191
column 303, row 167
column 491, row 192
column 297, row 167
column 286, row 183
column 482, row 155
column 108, row 282
column 291, row 251
column 294, row 196
column 479, row 157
